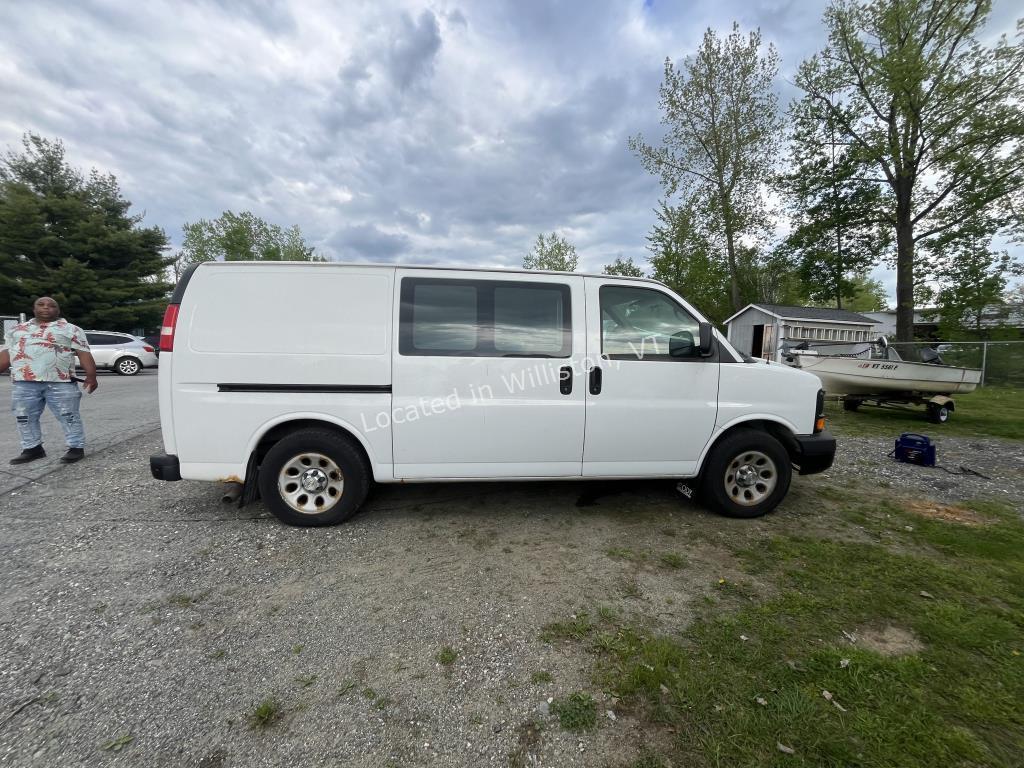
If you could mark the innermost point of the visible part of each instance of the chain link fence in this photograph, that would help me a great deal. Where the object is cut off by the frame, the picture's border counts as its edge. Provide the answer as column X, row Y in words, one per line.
column 1001, row 362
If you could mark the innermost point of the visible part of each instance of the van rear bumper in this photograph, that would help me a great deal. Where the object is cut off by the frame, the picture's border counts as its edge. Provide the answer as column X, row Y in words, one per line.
column 813, row 453
column 164, row 467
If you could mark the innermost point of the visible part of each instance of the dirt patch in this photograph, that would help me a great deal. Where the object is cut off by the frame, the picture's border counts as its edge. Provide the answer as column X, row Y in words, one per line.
column 949, row 513
column 888, row 641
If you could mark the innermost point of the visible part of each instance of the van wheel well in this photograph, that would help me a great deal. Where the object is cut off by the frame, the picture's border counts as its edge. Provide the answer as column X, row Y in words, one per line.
column 776, row 430
column 279, row 431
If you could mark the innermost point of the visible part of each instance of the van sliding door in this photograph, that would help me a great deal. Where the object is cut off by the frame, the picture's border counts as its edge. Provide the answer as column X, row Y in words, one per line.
column 487, row 379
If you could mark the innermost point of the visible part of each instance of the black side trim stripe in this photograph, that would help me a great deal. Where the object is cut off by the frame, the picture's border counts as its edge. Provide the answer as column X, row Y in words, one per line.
column 345, row 388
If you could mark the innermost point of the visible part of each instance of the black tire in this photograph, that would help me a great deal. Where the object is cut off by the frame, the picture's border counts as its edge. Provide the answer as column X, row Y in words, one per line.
column 851, row 405
column 322, row 448
column 750, row 451
column 128, row 366
column 938, row 414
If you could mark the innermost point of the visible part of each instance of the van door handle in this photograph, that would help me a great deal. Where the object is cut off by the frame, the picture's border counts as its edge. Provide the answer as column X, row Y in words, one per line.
column 595, row 381
column 565, row 380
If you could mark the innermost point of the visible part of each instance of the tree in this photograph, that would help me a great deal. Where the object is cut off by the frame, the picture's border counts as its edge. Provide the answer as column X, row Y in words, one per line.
column 71, row 236
column 243, row 237
column 623, row 267
column 867, row 295
column 972, row 283
column 553, row 253
column 723, row 131
column 932, row 110
column 1014, row 294
column 835, row 235
column 683, row 259
column 769, row 278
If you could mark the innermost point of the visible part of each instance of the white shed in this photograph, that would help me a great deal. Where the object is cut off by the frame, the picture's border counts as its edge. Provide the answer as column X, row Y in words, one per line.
column 760, row 330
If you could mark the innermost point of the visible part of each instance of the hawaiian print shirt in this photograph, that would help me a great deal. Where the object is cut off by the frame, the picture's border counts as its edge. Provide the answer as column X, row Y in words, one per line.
column 45, row 351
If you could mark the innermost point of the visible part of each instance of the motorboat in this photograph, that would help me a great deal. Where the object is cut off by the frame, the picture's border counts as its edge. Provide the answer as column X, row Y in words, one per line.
column 875, row 372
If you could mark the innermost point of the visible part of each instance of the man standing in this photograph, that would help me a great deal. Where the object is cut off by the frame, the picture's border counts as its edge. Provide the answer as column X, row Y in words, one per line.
column 42, row 359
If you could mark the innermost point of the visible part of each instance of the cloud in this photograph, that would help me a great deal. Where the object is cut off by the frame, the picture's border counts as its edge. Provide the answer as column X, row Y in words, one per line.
column 365, row 242
column 413, row 49
column 448, row 133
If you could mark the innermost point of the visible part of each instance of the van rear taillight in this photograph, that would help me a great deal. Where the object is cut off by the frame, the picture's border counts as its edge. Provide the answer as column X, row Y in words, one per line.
column 167, row 329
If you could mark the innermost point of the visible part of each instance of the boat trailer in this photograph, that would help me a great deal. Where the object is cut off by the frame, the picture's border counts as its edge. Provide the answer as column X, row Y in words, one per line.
column 937, row 407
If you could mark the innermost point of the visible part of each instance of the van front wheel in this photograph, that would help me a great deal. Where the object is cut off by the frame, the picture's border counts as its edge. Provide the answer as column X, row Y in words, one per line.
column 747, row 474
column 313, row 477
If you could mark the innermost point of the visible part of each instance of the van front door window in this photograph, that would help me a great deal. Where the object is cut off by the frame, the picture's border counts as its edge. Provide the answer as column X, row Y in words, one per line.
column 638, row 324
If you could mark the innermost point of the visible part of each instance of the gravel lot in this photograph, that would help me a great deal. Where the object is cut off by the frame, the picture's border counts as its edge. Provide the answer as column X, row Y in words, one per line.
column 142, row 623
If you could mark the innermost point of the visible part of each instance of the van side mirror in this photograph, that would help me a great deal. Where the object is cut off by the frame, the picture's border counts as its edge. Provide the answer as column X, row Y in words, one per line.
column 707, row 337
column 680, row 344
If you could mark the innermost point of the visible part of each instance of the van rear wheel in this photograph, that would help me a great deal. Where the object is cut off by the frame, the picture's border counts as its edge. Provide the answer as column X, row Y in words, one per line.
column 313, row 477
column 746, row 475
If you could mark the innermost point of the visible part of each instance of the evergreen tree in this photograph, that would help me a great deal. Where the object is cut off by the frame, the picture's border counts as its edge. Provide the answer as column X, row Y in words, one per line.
column 71, row 237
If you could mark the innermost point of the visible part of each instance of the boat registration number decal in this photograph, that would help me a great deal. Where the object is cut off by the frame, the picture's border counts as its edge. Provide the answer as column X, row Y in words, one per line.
column 881, row 366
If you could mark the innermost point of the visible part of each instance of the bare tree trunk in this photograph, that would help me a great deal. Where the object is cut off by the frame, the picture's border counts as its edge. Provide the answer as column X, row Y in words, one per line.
column 839, row 265
column 904, row 263
column 734, row 283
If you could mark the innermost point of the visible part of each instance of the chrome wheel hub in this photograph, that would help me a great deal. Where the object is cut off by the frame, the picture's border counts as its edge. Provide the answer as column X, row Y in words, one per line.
column 750, row 478
column 311, row 483
column 313, row 480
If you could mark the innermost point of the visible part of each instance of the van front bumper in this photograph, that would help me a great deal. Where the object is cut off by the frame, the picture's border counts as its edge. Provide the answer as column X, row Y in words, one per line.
column 164, row 467
column 814, row 453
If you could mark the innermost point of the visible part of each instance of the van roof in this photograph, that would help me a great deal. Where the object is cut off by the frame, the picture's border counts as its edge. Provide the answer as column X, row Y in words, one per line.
column 427, row 266
column 187, row 275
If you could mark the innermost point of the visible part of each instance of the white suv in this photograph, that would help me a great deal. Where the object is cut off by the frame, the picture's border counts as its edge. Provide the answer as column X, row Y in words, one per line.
column 120, row 352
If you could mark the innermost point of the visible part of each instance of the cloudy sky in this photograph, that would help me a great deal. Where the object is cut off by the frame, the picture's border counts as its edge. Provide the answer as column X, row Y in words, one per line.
column 439, row 132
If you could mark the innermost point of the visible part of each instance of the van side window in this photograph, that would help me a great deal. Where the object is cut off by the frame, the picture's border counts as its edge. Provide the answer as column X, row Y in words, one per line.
column 529, row 321
column 641, row 324
column 444, row 318
column 484, row 318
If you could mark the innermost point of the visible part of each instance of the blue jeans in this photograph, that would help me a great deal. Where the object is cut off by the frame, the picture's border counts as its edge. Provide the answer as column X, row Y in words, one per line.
column 29, row 399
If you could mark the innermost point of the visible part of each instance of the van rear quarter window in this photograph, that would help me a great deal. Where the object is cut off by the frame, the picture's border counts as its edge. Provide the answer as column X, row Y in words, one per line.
column 484, row 318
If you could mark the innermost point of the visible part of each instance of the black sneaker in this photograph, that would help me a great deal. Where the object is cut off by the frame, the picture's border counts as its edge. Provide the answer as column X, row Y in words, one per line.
column 73, row 455
column 29, row 454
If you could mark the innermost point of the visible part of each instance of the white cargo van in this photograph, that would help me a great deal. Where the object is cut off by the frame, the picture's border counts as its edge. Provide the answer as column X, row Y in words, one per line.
column 305, row 381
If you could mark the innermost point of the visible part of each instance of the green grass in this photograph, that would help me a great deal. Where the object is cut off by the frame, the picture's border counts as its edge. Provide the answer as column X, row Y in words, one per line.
column 672, row 560
column 956, row 701
column 575, row 628
column 116, row 745
column 266, row 713
column 576, row 712
column 447, row 656
column 541, row 677
column 986, row 412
